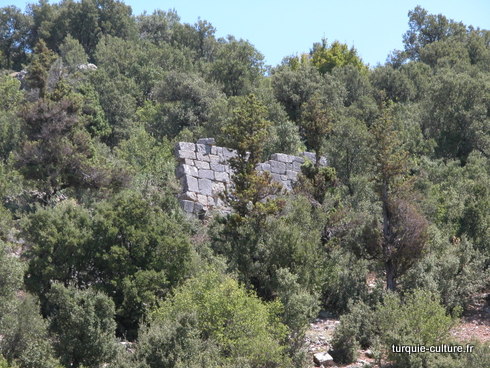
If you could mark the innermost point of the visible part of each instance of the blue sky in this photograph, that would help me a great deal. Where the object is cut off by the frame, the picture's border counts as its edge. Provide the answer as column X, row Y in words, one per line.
column 278, row 28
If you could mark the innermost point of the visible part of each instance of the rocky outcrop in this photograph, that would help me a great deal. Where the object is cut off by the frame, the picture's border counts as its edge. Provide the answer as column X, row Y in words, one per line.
column 204, row 173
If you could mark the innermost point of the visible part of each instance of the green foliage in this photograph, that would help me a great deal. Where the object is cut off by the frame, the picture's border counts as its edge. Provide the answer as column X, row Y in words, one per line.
column 81, row 318
column 327, row 57
column 10, row 125
column 242, row 326
column 14, row 31
column 237, row 66
column 38, row 70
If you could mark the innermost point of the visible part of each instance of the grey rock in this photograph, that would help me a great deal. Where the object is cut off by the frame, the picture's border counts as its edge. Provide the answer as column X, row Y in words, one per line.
column 190, row 183
column 222, row 176
column 187, row 206
column 215, row 159
column 185, row 146
column 198, row 208
column 187, row 170
column 202, row 165
column 186, row 154
column 202, row 148
column 188, row 196
column 291, row 175
column 324, row 359
column 218, row 167
column 297, row 166
column 278, row 167
column 206, row 174
column 202, row 157
column 205, row 186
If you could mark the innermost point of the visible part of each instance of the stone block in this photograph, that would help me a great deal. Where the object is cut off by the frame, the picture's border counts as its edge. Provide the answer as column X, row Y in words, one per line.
column 187, row 161
column 187, row 170
column 185, row 146
column 211, row 201
column 188, row 196
column 323, row 359
column 187, row 206
column 198, row 208
column 276, row 177
column 202, row 148
column 298, row 159
column 215, row 159
column 206, row 141
column 201, row 198
column 277, row 167
column 218, row 188
column 205, row 186
column 218, row 167
column 291, row 175
column 202, row 157
column 206, row 174
column 282, row 157
column 222, row 176
column 186, row 154
column 189, row 183
column 202, row 165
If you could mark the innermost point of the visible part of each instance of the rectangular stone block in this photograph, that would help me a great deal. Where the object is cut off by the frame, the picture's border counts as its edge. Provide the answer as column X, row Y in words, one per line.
column 291, row 175
column 218, row 167
column 186, row 154
column 309, row 155
column 202, row 165
column 202, row 157
column 187, row 161
column 282, row 157
column 198, row 208
column 205, row 186
column 188, row 196
column 301, row 160
column 185, row 146
column 186, row 170
column 187, row 206
column 189, row 183
column 222, row 176
column 278, row 167
column 201, row 148
column 206, row 174
column 215, row 159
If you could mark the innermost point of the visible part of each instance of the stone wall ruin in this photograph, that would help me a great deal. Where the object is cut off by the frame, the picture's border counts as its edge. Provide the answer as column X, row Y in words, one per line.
column 204, row 173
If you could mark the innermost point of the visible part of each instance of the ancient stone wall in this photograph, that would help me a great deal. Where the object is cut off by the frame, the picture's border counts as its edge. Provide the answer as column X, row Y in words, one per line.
column 204, row 173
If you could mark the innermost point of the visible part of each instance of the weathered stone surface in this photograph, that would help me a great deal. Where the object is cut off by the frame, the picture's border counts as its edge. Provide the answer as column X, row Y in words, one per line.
column 186, row 154
column 277, row 167
column 202, row 165
column 324, row 359
column 219, row 167
column 187, row 170
column 190, row 183
column 282, row 157
column 202, row 148
column 202, row 157
column 291, row 175
column 222, row 176
column 206, row 174
column 187, row 206
column 218, row 188
column 189, row 196
column 205, row 186
column 185, row 146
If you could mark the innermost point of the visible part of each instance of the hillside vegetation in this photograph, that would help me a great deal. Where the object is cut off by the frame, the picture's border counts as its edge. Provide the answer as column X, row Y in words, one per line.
column 100, row 267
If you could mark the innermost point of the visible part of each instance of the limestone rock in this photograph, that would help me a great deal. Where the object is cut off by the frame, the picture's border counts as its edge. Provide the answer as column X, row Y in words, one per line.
column 324, row 359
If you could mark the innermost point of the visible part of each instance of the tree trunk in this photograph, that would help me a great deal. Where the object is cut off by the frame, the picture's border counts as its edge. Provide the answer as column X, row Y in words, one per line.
column 390, row 275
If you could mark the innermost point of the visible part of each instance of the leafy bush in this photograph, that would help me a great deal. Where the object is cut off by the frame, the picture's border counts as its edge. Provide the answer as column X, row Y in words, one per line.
column 239, row 324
